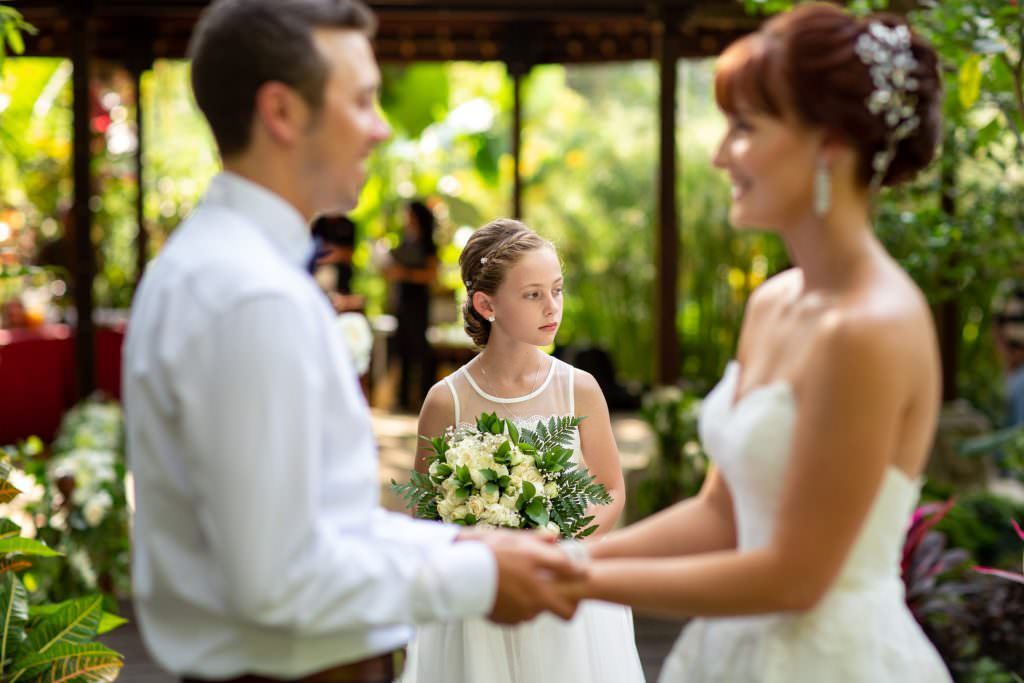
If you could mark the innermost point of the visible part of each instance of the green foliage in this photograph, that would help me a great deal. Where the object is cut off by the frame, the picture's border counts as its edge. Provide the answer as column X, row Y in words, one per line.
column 553, row 438
column 548, row 444
column 988, row 670
column 415, row 97
column 1006, row 445
column 48, row 642
column 419, row 495
column 12, row 25
column 577, row 490
column 679, row 465
column 981, row 523
column 79, row 505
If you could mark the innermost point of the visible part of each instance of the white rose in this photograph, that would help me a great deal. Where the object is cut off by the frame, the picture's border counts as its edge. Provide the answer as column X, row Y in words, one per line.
column 551, row 489
column 444, row 508
column 476, row 506
column 495, row 514
column 96, row 508
column 518, row 457
column 357, row 338
column 508, row 501
column 460, row 512
column 552, row 527
column 457, row 457
column 519, row 471
column 80, row 562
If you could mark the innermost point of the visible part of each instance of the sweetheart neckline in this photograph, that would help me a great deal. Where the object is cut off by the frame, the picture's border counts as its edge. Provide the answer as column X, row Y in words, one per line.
column 735, row 404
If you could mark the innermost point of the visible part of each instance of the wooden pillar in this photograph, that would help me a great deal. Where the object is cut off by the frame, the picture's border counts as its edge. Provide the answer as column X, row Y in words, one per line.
column 83, row 265
column 517, row 71
column 140, row 61
column 666, row 368
column 142, row 235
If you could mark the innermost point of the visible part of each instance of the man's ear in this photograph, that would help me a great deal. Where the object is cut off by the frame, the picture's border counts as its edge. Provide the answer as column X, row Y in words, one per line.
column 482, row 305
column 280, row 112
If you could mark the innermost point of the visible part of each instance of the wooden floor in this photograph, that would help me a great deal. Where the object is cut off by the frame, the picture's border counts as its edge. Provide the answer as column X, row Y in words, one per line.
column 654, row 638
column 396, row 436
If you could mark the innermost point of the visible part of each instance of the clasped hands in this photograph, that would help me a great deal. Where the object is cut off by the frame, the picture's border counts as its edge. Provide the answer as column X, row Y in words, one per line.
column 534, row 574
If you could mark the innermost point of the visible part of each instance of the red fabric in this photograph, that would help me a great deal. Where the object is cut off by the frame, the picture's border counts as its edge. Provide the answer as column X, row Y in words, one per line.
column 108, row 360
column 37, row 377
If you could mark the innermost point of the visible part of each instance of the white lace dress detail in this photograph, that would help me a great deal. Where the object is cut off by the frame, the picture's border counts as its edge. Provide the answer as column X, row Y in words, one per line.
column 862, row 631
column 597, row 646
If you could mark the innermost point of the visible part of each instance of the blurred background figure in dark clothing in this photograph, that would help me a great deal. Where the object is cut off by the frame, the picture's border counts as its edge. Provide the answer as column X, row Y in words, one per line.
column 336, row 236
column 413, row 268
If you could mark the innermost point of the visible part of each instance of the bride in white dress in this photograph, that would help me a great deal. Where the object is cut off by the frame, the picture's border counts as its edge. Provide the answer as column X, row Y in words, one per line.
column 789, row 556
column 514, row 282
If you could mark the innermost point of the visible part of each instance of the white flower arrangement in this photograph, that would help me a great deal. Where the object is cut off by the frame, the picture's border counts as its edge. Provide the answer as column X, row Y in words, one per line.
column 358, row 338
column 492, row 475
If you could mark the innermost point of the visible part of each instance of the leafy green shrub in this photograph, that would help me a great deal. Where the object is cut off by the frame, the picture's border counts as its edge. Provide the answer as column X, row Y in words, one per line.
column 80, row 507
column 47, row 643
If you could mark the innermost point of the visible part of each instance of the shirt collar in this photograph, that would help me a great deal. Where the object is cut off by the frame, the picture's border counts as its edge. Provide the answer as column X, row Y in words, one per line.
column 277, row 220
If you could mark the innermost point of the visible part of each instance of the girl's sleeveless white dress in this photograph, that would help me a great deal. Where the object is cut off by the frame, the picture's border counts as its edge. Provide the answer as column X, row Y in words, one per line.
column 596, row 646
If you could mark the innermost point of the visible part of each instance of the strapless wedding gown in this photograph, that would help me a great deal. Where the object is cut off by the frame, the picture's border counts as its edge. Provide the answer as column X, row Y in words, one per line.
column 861, row 631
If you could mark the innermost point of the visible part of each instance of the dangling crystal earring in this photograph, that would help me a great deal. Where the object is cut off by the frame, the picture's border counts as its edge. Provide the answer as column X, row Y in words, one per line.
column 822, row 189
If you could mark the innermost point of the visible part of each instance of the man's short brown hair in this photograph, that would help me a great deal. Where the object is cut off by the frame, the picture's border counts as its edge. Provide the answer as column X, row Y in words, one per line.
column 238, row 45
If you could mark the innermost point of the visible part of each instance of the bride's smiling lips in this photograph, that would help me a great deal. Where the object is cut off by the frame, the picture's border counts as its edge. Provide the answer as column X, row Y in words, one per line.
column 550, row 327
column 739, row 187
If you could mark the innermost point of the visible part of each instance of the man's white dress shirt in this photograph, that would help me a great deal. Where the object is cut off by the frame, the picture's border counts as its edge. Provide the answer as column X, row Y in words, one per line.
column 259, row 544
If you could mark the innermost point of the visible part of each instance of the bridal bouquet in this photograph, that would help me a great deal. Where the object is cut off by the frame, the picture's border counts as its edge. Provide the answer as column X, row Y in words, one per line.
column 494, row 475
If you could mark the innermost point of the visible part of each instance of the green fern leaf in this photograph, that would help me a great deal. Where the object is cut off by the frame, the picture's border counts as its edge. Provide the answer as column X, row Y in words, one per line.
column 419, row 495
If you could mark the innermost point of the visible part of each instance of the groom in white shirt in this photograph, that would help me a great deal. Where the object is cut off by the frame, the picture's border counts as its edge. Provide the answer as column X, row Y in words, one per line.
column 260, row 549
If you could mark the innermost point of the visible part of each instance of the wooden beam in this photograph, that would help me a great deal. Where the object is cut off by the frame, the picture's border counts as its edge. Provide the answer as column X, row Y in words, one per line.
column 666, row 369
column 83, row 263
column 517, row 142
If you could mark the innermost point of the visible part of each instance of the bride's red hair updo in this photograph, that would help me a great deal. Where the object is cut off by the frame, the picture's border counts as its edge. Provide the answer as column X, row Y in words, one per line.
column 803, row 64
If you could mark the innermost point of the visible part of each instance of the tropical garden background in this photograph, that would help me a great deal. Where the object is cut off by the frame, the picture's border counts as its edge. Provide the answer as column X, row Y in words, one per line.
column 588, row 168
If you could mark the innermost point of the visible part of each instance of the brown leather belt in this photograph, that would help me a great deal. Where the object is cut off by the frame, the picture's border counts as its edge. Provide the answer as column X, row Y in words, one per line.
column 380, row 669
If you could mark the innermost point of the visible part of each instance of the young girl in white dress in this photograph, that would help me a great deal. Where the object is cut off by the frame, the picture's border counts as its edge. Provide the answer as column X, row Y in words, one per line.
column 514, row 306
column 819, row 430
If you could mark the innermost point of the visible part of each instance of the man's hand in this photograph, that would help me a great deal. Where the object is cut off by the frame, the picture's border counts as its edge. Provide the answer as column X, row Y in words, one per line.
column 530, row 568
